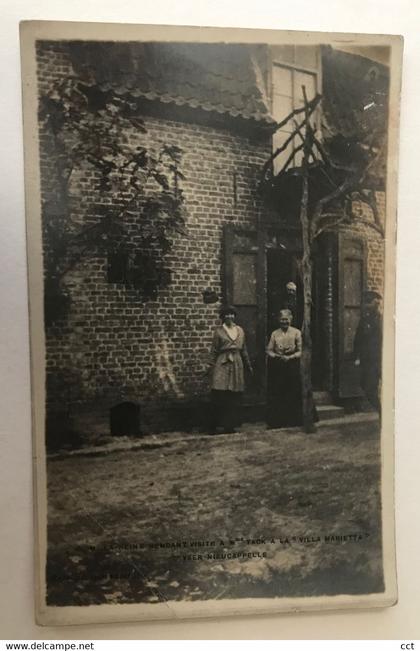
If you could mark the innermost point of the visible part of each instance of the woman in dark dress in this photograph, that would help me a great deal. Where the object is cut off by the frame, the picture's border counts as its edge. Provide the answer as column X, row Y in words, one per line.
column 284, row 393
column 229, row 357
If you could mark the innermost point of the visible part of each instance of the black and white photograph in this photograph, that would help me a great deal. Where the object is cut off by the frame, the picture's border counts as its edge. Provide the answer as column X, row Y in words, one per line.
column 211, row 228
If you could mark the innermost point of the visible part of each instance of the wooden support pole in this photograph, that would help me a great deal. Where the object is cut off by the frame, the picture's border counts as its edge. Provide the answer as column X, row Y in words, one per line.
column 306, row 359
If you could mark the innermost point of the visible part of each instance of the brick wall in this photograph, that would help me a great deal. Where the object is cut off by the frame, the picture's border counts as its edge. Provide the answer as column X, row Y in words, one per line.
column 173, row 333
column 375, row 246
column 113, row 346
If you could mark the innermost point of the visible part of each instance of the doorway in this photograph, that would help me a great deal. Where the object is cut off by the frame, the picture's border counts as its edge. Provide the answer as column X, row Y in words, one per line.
column 282, row 269
column 257, row 267
column 339, row 279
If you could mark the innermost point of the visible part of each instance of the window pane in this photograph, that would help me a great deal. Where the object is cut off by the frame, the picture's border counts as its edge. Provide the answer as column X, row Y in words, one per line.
column 244, row 279
column 282, row 107
column 307, row 80
column 282, row 81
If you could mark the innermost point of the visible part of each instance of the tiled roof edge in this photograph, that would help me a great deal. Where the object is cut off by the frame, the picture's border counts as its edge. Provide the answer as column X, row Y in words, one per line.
column 196, row 104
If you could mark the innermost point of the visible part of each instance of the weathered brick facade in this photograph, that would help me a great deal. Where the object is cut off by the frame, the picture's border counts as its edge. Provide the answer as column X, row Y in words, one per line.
column 114, row 347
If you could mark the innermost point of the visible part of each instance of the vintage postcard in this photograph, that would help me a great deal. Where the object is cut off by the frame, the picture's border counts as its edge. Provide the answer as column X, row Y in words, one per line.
column 211, row 219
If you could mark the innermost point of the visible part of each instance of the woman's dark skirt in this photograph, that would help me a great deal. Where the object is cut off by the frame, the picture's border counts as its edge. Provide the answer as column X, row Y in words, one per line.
column 284, row 393
column 225, row 410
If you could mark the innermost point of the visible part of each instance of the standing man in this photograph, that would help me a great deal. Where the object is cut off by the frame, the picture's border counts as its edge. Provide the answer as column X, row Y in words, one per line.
column 293, row 301
column 290, row 302
column 368, row 347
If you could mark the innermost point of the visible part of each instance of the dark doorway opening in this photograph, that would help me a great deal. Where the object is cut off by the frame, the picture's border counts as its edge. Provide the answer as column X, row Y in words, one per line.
column 125, row 419
column 282, row 268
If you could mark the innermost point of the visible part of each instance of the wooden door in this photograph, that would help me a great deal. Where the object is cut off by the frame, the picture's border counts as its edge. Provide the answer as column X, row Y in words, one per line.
column 244, row 288
column 351, row 284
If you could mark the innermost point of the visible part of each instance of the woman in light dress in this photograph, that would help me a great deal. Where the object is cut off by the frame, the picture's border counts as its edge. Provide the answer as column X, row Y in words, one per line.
column 229, row 361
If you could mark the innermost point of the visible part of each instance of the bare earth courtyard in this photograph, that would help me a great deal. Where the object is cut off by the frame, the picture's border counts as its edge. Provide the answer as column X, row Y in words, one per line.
column 259, row 513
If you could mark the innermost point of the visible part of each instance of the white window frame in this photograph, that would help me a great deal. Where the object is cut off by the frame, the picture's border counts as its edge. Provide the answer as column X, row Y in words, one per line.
column 293, row 67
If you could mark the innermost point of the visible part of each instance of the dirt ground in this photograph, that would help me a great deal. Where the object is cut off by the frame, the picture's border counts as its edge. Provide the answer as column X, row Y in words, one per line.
column 253, row 514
